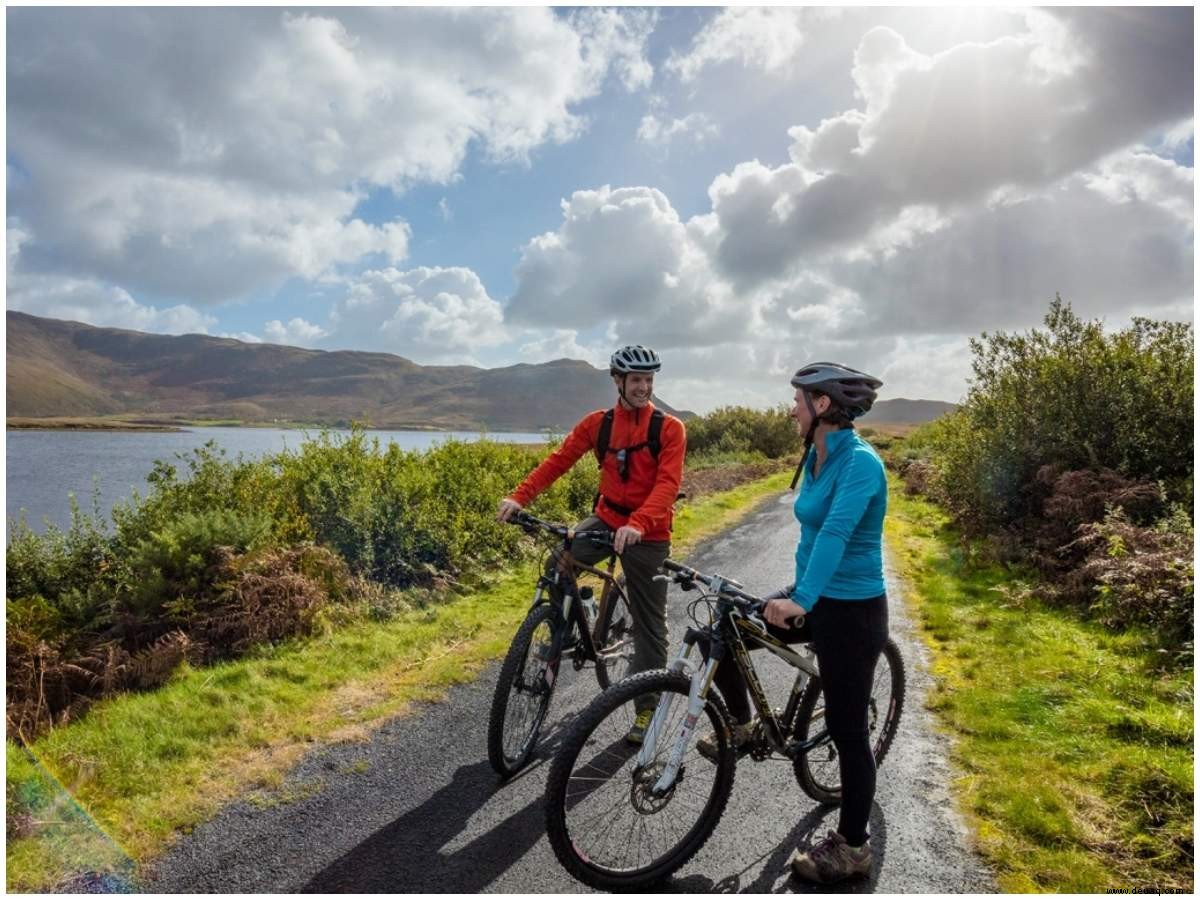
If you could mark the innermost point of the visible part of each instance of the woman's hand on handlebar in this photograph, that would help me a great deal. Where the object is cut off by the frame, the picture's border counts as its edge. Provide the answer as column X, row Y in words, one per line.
column 507, row 509
column 783, row 613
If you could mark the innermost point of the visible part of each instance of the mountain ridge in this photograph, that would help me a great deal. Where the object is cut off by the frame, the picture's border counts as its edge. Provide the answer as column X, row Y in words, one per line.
column 59, row 369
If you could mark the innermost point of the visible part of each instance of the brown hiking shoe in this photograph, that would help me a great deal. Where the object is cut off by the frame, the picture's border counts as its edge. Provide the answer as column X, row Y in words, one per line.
column 743, row 736
column 832, row 860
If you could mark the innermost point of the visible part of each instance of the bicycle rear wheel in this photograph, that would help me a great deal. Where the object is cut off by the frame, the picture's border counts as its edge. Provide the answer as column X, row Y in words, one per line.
column 614, row 655
column 523, row 691
column 605, row 823
column 819, row 770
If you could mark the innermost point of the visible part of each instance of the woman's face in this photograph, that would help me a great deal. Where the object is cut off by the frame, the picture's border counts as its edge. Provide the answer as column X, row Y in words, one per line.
column 800, row 410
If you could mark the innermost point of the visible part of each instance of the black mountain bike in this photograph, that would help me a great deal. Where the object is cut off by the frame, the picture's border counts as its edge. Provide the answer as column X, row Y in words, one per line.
column 564, row 621
column 622, row 817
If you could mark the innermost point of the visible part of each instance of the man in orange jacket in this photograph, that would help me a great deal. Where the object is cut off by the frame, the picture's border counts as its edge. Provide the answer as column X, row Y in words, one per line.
column 640, row 472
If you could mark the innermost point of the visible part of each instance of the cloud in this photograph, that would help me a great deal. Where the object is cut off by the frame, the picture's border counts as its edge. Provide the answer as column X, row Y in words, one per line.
column 1103, row 238
column 96, row 303
column 242, row 162
column 563, row 343
column 616, row 39
column 243, row 336
column 88, row 300
column 660, row 132
column 428, row 314
column 623, row 259
column 946, row 130
column 765, row 38
column 297, row 332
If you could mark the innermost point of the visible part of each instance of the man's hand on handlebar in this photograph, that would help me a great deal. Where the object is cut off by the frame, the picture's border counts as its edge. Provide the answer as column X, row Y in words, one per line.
column 507, row 509
column 626, row 537
column 783, row 613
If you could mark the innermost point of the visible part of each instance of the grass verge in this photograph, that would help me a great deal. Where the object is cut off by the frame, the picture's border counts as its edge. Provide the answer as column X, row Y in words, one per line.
column 109, row 792
column 1074, row 744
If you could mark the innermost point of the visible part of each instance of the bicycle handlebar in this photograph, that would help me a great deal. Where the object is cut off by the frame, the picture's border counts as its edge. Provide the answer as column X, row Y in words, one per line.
column 725, row 587
column 532, row 523
column 717, row 583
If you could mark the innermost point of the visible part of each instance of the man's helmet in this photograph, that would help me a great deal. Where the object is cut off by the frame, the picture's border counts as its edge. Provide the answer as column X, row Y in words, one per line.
column 635, row 358
column 850, row 389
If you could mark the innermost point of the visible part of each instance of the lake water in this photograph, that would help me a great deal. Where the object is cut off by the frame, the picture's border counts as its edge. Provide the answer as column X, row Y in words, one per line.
column 44, row 467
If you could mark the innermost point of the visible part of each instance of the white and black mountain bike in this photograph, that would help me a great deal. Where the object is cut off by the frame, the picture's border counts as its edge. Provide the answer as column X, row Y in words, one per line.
column 623, row 817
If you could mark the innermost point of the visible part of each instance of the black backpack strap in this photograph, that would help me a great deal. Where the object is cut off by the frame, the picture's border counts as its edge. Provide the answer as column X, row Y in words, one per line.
column 604, row 436
column 654, row 433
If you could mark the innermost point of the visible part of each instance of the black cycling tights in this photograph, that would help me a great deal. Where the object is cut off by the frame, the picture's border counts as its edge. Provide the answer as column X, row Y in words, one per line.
column 848, row 636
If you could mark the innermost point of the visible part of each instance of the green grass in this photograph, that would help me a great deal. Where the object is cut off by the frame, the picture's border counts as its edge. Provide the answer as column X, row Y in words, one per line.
column 1073, row 743
column 112, row 789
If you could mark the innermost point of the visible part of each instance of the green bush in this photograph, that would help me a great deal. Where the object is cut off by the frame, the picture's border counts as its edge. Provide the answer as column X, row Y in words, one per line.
column 174, row 568
column 736, row 430
column 68, row 577
column 1070, row 396
column 1074, row 447
column 223, row 553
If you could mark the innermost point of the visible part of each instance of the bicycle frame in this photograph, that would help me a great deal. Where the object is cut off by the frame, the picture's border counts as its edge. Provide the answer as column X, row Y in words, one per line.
column 733, row 630
column 566, row 572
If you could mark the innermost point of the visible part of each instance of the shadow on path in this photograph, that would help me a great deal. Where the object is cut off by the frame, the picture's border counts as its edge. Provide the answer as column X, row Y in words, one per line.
column 409, row 854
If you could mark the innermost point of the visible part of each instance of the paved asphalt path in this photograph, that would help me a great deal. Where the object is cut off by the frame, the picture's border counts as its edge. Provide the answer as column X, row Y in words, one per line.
column 418, row 808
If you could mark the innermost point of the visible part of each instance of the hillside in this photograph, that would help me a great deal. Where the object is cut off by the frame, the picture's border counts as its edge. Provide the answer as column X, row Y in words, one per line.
column 58, row 368
column 67, row 369
column 907, row 412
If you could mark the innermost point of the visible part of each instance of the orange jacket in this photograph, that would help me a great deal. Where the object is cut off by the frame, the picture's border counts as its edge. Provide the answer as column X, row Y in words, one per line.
column 652, row 485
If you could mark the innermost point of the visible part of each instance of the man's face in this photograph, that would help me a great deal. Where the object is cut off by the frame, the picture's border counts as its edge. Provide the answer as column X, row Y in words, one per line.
column 638, row 387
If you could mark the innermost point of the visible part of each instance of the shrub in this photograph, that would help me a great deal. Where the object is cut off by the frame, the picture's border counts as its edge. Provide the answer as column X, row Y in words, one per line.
column 173, row 570
column 740, row 430
column 1138, row 575
column 1070, row 396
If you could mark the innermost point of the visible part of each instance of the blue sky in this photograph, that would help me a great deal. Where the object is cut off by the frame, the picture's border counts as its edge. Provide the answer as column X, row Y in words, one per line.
column 744, row 189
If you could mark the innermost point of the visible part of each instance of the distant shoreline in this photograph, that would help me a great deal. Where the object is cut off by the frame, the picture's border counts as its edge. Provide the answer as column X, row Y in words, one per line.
column 84, row 423
column 21, row 423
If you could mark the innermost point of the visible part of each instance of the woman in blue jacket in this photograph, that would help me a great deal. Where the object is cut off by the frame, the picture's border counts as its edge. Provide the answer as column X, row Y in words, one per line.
column 838, row 598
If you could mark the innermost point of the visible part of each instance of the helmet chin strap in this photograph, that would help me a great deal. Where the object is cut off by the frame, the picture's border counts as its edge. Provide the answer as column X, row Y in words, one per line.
column 808, row 439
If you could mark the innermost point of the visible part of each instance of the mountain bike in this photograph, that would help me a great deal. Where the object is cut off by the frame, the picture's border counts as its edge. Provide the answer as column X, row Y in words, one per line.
column 622, row 817
column 565, row 620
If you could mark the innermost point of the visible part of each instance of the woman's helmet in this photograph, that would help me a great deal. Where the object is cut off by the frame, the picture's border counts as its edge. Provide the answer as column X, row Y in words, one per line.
column 635, row 358
column 850, row 389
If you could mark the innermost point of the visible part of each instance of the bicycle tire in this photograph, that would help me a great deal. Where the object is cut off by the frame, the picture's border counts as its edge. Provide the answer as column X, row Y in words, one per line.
column 817, row 770
column 614, row 653
column 601, row 728
column 508, row 753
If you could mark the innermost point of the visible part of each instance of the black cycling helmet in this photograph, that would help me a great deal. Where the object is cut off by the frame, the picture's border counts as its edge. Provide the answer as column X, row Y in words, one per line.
column 853, row 391
column 634, row 358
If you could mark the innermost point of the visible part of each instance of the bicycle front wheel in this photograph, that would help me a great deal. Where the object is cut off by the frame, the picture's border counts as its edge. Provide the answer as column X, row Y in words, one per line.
column 610, row 824
column 523, row 692
column 614, row 651
column 819, row 770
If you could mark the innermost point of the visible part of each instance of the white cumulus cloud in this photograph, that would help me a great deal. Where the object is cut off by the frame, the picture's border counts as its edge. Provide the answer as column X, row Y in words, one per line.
column 661, row 131
column 766, row 38
column 622, row 258
column 429, row 314
column 243, row 162
column 949, row 129
column 296, row 332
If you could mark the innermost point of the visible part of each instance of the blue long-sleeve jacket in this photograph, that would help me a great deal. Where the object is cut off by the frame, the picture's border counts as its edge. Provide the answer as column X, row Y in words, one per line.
column 840, row 555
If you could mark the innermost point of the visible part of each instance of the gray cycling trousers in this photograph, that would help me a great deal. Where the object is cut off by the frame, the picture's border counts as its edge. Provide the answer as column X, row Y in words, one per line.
column 647, row 597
